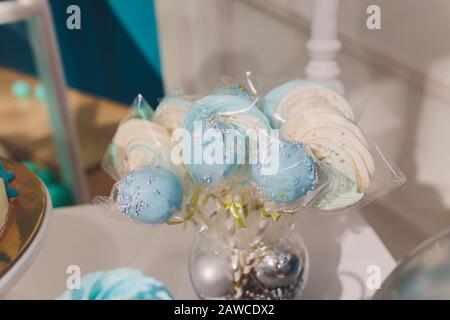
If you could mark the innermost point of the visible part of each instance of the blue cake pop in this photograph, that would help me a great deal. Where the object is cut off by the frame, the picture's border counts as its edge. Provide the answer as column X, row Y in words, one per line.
column 225, row 107
column 222, row 112
column 8, row 177
column 118, row 284
column 209, row 173
column 150, row 195
column 235, row 90
column 295, row 177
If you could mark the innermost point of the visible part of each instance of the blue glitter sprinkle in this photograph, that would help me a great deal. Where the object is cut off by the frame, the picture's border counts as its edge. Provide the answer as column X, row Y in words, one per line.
column 125, row 202
column 128, row 180
column 139, row 206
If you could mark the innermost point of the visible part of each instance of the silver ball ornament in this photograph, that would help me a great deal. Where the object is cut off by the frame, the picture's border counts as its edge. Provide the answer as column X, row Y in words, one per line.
column 280, row 267
column 211, row 277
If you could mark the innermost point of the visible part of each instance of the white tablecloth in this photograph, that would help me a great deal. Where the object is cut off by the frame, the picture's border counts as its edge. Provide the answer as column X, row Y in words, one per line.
column 341, row 248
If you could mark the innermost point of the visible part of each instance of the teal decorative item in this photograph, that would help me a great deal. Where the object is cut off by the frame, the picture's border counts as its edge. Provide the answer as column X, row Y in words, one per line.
column 8, row 177
column 20, row 89
column 44, row 173
column 47, row 176
column 61, row 195
column 31, row 166
column 118, row 284
column 39, row 92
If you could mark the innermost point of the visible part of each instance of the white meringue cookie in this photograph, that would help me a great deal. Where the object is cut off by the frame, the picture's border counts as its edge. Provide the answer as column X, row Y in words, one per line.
column 138, row 142
column 321, row 119
column 338, row 132
column 317, row 96
column 300, row 123
column 292, row 97
column 350, row 156
column 342, row 190
column 171, row 112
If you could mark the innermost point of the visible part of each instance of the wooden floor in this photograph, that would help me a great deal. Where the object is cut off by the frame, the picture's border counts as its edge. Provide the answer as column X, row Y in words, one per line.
column 25, row 130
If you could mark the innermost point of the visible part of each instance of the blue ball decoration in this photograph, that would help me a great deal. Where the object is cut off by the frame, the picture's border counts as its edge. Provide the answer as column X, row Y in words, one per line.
column 150, row 195
column 40, row 92
column 43, row 172
column 60, row 194
column 21, row 89
column 295, row 177
column 118, row 284
column 46, row 175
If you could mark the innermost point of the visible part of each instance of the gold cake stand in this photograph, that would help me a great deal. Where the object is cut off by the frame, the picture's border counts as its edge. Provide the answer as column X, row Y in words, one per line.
column 25, row 216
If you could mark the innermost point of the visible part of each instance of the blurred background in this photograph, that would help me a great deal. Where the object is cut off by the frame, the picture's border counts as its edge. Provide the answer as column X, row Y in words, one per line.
column 401, row 73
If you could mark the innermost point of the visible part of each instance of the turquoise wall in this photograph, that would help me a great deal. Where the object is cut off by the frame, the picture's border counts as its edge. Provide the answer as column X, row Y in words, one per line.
column 139, row 19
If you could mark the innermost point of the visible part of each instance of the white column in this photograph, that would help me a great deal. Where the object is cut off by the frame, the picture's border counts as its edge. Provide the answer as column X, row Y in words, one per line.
column 324, row 45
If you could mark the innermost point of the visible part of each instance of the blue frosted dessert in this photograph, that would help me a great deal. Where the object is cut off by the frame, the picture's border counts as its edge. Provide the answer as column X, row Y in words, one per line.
column 118, row 284
column 150, row 195
column 295, row 176
column 230, row 117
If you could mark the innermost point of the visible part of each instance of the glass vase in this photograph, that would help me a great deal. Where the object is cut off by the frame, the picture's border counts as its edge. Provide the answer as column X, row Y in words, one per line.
column 273, row 265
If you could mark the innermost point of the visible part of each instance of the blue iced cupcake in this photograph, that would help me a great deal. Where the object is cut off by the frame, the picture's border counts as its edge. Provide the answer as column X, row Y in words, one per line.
column 118, row 284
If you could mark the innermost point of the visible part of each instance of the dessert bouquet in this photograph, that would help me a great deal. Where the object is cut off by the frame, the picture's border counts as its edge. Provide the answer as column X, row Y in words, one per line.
column 239, row 164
